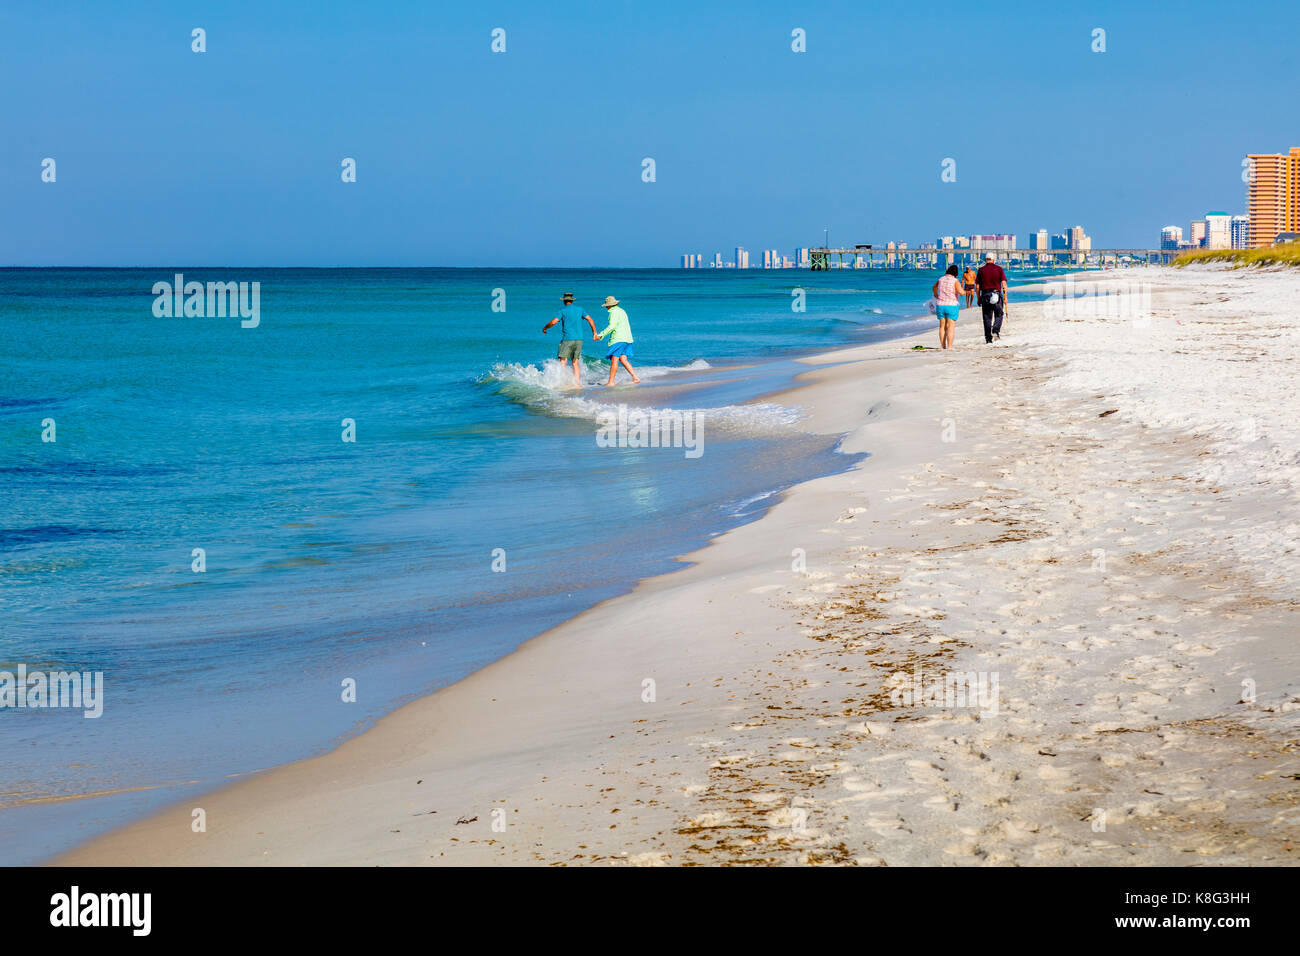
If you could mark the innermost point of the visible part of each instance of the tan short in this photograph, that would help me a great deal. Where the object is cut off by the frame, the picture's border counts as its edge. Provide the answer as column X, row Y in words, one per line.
column 570, row 350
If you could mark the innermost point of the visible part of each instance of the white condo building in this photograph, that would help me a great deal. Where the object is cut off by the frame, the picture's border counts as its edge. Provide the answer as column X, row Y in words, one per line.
column 993, row 242
column 1218, row 230
column 1239, row 232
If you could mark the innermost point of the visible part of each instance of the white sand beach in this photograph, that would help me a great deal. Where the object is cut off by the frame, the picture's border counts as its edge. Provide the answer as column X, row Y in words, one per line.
column 1099, row 513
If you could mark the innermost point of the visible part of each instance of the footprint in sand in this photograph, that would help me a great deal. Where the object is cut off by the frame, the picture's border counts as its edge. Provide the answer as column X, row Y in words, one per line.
column 869, row 727
column 1197, row 650
column 711, row 819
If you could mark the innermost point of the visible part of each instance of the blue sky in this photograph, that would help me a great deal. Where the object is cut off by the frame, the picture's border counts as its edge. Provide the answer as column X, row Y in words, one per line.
column 533, row 156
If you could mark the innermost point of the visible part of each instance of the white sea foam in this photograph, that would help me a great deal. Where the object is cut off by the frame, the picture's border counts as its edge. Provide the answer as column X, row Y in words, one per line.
column 757, row 420
column 745, row 506
column 555, row 375
column 548, row 389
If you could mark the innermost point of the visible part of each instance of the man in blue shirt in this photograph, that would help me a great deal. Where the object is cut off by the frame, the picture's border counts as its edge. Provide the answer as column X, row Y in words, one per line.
column 571, row 335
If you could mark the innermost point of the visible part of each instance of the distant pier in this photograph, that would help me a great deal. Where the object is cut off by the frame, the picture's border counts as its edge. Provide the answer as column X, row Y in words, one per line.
column 873, row 257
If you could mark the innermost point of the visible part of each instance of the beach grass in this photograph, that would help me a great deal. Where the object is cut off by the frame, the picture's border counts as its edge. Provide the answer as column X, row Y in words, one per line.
column 1284, row 255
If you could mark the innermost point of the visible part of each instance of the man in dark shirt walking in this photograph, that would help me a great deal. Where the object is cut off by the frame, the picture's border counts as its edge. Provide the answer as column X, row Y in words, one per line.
column 992, row 284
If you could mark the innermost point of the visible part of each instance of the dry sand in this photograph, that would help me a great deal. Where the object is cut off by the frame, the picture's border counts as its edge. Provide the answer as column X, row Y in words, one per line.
column 1035, row 510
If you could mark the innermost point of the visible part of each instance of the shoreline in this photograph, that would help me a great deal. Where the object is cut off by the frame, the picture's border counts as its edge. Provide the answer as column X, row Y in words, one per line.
column 104, row 783
column 691, row 559
column 774, row 374
column 551, row 755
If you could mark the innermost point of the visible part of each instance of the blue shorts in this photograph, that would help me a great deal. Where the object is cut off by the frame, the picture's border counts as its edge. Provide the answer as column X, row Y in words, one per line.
column 948, row 311
column 622, row 348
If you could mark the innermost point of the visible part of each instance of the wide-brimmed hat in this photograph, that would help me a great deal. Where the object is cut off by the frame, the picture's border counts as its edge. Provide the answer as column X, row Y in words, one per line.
column 989, row 257
column 568, row 297
column 610, row 302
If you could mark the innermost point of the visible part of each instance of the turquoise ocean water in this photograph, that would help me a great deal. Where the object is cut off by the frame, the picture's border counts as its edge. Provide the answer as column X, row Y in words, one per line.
column 372, row 559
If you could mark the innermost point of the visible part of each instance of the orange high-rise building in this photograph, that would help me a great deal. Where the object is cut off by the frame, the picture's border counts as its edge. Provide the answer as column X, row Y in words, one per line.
column 1273, row 196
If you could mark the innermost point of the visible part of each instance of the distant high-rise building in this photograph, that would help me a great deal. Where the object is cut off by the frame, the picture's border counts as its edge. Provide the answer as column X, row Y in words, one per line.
column 1240, row 232
column 717, row 260
column 802, row 257
column 1171, row 237
column 1196, row 235
column 1273, row 195
column 1076, row 240
column 742, row 257
column 1218, row 230
column 1040, row 242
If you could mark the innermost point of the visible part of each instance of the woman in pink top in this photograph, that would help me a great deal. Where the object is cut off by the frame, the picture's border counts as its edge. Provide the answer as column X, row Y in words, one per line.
column 947, row 293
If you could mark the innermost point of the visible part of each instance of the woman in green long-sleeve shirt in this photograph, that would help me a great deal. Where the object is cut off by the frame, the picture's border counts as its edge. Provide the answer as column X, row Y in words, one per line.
column 619, row 331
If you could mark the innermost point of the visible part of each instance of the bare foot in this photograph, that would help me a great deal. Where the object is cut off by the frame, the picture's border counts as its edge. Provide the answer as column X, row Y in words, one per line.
column 636, row 381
